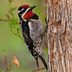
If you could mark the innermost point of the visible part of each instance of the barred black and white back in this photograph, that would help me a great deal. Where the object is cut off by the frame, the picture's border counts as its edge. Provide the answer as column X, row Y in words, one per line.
column 36, row 31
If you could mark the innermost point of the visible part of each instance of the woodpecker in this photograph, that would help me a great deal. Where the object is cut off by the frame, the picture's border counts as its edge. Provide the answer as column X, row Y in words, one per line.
column 31, row 30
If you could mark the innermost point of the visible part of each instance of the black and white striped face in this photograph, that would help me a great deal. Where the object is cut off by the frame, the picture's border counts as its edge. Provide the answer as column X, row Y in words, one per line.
column 24, row 10
column 21, row 10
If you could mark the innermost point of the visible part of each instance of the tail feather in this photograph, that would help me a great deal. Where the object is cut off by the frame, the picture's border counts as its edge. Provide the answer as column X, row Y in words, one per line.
column 43, row 61
column 36, row 55
column 37, row 62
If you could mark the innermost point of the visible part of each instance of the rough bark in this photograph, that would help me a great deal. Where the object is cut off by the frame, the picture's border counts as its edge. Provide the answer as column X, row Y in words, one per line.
column 59, row 36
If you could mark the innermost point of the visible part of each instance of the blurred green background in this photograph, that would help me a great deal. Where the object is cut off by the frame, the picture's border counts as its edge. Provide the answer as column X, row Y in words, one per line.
column 10, row 44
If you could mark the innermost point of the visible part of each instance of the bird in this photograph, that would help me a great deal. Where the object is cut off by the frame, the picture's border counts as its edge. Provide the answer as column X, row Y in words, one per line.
column 32, row 29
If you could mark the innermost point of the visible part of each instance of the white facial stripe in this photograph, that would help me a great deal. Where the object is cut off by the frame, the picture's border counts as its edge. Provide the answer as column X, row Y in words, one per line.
column 25, row 12
column 22, row 9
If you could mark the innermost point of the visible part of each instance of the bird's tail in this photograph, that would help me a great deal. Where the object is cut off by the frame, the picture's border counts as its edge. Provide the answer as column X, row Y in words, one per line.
column 37, row 62
column 36, row 56
column 43, row 61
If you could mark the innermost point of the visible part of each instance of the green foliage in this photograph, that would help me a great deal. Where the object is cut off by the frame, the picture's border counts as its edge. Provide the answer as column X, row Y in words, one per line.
column 14, row 27
column 13, row 22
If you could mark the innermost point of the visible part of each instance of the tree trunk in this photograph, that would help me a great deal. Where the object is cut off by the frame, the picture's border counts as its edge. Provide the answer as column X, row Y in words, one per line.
column 59, row 35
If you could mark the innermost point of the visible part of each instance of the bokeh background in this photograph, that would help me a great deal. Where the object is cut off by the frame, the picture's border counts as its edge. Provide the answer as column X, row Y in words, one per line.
column 11, row 44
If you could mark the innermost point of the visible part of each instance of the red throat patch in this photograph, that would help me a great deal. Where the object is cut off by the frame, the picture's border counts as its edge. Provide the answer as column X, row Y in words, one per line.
column 28, row 15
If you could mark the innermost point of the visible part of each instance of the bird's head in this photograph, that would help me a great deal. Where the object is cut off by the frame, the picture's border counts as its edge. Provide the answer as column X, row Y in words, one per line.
column 25, row 12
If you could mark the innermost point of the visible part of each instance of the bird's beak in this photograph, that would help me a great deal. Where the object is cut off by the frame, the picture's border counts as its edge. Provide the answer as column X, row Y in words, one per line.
column 32, row 7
